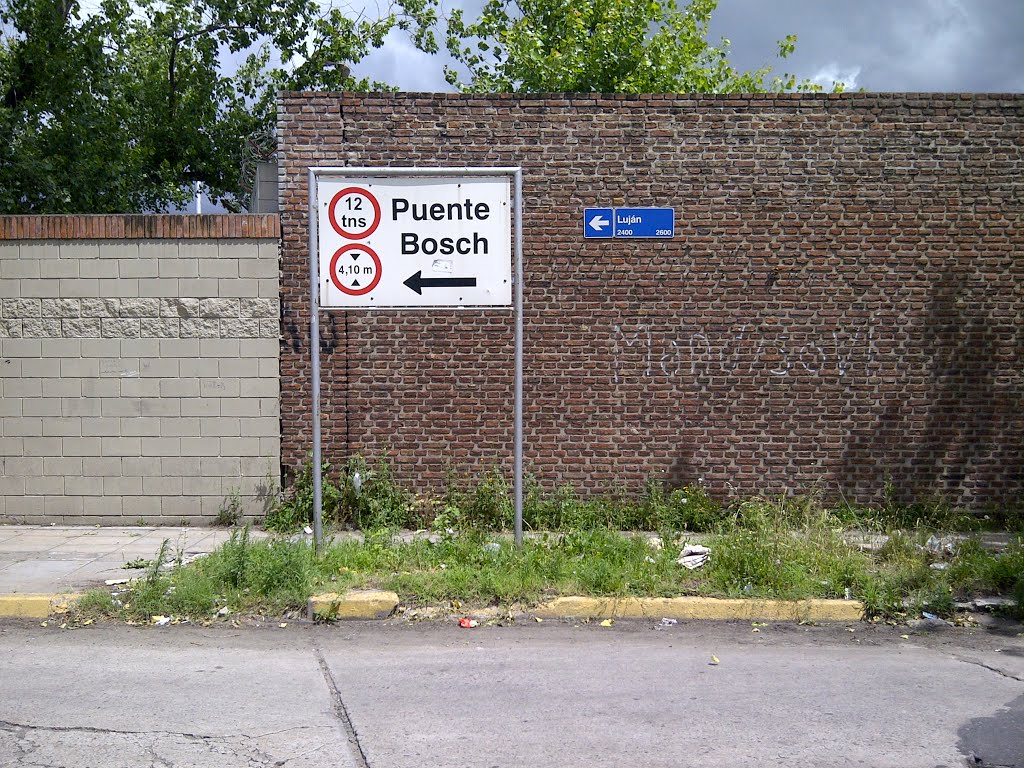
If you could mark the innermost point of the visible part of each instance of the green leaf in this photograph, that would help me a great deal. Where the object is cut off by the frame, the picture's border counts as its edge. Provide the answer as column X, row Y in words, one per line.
column 631, row 46
column 155, row 103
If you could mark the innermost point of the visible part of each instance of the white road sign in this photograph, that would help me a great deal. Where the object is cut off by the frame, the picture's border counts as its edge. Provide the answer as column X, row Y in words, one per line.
column 414, row 241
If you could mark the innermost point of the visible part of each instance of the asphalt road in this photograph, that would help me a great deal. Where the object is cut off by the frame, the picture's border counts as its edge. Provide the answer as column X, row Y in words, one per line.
column 395, row 695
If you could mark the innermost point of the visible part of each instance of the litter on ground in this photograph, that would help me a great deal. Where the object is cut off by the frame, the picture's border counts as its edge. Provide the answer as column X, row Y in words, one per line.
column 693, row 556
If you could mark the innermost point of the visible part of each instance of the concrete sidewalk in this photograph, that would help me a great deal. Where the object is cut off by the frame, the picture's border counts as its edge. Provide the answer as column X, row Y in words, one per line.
column 38, row 559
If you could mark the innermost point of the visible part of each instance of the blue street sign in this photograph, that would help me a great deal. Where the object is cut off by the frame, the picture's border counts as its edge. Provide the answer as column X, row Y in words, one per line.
column 645, row 222
column 629, row 222
column 597, row 222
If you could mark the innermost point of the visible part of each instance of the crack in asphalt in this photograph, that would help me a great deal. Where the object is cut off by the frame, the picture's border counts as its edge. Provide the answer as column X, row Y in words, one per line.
column 341, row 711
column 10, row 725
column 244, row 746
column 983, row 665
column 198, row 736
column 157, row 760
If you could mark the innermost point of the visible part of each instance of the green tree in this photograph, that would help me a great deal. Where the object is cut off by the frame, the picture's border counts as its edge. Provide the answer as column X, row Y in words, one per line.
column 125, row 108
column 604, row 46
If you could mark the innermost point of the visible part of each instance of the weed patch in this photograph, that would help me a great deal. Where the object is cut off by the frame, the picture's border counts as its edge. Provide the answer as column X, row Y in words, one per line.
column 751, row 560
column 790, row 548
column 364, row 495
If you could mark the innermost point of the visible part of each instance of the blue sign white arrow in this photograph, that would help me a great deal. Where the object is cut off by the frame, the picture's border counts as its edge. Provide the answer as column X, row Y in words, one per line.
column 629, row 222
column 597, row 222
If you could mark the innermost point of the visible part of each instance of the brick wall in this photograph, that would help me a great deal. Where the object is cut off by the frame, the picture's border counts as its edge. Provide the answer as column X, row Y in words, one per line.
column 843, row 301
column 138, row 366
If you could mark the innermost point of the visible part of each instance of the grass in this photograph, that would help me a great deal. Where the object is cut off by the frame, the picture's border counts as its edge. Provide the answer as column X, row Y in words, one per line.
column 788, row 548
column 763, row 548
column 484, row 503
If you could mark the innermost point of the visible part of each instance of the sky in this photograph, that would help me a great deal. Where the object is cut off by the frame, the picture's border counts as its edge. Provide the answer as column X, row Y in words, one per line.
column 877, row 45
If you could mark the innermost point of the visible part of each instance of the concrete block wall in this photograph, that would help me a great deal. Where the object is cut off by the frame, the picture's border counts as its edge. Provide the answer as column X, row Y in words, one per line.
column 138, row 367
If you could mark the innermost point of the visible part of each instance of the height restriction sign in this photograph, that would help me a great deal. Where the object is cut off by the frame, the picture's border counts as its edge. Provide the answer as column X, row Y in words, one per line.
column 411, row 241
column 415, row 237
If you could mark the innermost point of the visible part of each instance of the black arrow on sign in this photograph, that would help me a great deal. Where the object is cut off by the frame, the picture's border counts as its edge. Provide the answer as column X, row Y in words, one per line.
column 417, row 282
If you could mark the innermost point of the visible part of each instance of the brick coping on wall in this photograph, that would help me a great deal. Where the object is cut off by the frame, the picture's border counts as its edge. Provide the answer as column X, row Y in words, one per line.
column 249, row 226
column 405, row 96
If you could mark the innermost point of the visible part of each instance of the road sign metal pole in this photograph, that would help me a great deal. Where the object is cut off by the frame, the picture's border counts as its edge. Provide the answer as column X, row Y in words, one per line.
column 518, row 480
column 416, row 283
column 314, row 351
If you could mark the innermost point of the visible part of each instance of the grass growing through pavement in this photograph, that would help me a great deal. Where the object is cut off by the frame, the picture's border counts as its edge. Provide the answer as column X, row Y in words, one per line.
column 759, row 548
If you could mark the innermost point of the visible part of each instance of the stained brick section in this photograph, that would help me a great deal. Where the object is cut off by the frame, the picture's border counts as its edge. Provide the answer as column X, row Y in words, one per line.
column 843, row 302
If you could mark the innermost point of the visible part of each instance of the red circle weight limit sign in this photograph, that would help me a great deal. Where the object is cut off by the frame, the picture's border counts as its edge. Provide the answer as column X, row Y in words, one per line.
column 354, row 213
column 355, row 269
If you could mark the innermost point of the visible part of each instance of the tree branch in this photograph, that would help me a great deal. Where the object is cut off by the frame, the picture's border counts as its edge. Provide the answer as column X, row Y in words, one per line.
column 176, row 41
column 208, row 29
column 171, row 81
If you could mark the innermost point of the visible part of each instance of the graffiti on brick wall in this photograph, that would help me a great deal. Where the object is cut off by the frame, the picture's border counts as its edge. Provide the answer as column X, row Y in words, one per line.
column 651, row 351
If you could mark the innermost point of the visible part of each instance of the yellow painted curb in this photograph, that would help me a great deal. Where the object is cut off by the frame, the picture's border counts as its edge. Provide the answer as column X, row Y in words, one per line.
column 709, row 608
column 355, row 604
column 34, row 606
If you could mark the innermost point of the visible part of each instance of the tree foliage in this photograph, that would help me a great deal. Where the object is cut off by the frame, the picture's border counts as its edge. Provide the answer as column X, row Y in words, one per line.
column 605, row 46
column 123, row 108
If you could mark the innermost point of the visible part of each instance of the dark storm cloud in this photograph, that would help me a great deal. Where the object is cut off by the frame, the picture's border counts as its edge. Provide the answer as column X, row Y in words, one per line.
column 909, row 45
column 878, row 45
